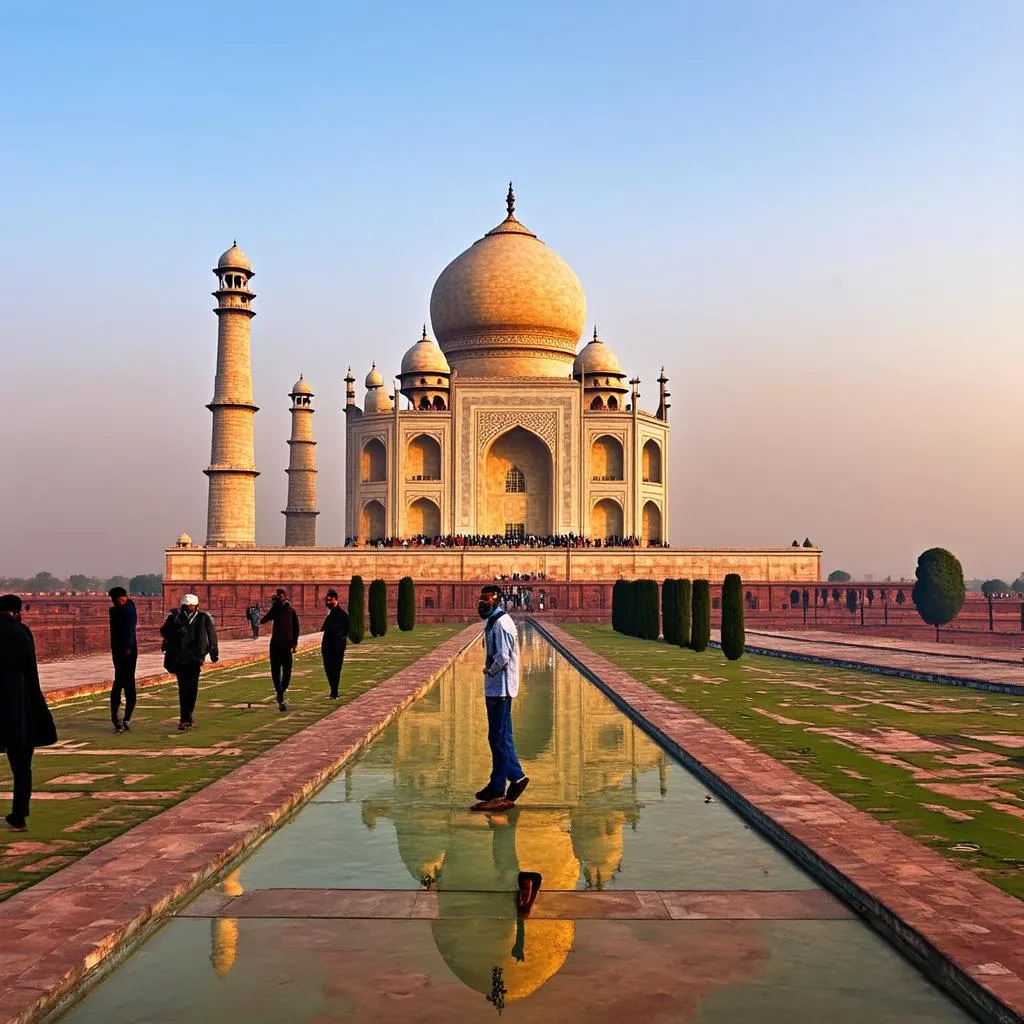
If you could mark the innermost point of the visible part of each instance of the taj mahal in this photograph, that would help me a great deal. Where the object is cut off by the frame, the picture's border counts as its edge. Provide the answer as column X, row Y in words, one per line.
column 503, row 433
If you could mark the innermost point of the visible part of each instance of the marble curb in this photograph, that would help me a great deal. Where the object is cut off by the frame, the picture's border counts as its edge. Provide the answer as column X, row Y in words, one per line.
column 960, row 931
column 882, row 670
column 69, row 930
column 58, row 695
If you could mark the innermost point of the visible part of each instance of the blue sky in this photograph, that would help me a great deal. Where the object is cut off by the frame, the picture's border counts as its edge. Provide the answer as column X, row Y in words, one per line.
column 811, row 214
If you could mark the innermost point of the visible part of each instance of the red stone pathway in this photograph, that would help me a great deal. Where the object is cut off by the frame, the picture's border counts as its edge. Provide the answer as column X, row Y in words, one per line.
column 54, row 934
column 968, row 933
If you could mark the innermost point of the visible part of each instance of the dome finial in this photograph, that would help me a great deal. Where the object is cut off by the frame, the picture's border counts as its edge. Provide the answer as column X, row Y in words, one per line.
column 510, row 200
column 595, row 332
column 234, row 241
column 424, row 337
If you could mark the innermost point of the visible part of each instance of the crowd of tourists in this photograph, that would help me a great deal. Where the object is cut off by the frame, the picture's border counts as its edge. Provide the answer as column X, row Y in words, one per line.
column 501, row 540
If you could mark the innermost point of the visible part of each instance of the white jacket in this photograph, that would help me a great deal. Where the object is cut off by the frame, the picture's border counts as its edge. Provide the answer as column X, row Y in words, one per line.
column 501, row 644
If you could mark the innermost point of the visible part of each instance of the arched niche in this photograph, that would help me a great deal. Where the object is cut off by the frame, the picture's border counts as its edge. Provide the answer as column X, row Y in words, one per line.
column 423, row 517
column 606, row 519
column 651, row 523
column 374, row 520
column 423, row 458
column 651, row 462
column 606, row 458
column 374, row 461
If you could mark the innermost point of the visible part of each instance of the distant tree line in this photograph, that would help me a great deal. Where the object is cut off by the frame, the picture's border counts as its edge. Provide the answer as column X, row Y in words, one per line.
column 145, row 584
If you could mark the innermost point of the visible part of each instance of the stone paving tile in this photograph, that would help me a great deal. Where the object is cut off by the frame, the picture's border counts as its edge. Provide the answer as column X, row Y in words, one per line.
column 895, row 881
column 54, row 933
column 61, row 680
column 1005, row 670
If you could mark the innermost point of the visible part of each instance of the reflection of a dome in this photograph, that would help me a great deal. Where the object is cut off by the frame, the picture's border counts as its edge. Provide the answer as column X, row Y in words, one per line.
column 224, row 930
column 580, row 754
column 473, row 947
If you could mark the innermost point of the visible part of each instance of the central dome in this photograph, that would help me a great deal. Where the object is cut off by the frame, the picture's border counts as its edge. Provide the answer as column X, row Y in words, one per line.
column 508, row 306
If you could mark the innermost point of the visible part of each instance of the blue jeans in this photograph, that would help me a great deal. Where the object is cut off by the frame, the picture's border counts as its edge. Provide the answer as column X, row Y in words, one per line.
column 505, row 766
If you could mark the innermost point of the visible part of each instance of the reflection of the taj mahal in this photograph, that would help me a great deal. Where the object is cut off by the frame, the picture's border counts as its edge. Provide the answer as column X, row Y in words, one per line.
column 582, row 757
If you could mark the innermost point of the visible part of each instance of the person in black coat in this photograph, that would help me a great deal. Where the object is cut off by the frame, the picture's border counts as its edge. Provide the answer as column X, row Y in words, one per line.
column 25, row 719
column 335, row 638
column 284, row 641
column 124, row 649
column 189, row 636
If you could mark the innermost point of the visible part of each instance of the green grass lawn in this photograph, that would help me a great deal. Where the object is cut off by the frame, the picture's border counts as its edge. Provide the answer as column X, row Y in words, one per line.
column 95, row 785
column 942, row 764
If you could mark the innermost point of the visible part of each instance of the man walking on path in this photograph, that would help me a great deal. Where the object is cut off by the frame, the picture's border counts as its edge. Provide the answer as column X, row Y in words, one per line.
column 189, row 636
column 25, row 720
column 252, row 613
column 332, row 646
column 124, row 649
column 501, row 684
column 284, row 641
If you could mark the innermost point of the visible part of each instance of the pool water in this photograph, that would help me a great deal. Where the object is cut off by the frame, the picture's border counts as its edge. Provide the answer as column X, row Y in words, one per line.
column 387, row 899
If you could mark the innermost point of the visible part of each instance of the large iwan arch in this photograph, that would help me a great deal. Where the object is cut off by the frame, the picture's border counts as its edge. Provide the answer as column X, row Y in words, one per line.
column 526, row 504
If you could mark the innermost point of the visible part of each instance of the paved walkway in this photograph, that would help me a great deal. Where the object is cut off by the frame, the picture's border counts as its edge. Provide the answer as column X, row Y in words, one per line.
column 54, row 934
column 94, row 673
column 968, row 665
column 960, row 929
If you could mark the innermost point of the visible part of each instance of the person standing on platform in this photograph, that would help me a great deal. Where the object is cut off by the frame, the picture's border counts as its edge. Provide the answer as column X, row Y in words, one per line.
column 335, row 638
column 284, row 641
column 124, row 650
column 252, row 613
column 25, row 720
column 189, row 636
column 501, row 684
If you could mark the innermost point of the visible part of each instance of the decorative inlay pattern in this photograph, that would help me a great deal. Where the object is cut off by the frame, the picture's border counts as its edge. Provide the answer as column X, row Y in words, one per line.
column 543, row 424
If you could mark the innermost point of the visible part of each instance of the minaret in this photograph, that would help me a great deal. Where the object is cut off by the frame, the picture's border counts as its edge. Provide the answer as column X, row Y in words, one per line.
column 300, row 515
column 231, row 513
column 663, row 403
column 350, row 391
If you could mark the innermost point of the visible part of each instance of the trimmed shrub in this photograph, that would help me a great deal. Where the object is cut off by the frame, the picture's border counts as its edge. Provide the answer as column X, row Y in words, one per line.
column 670, row 611
column 700, row 633
column 618, row 601
column 378, row 608
column 939, row 591
column 733, row 634
column 406, row 604
column 356, row 610
column 650, row 623
column 685, row 611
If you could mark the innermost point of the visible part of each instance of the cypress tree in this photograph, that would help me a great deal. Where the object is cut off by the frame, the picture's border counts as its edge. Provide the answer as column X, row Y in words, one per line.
column 378, row 608
column 733, row 635
column 617, row 594
column 406, row 604
column 356, row 610
column 651, row 628
column 700, row 634
column 685, row 600
column 670, row 611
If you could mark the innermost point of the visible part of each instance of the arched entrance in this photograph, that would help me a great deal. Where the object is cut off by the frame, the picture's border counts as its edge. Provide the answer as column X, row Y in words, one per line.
column 423, row 518
column 373, row 520
column 652, row 523
column 606, row 519
column 516, row 486
column 423, row 459
column 374, row 461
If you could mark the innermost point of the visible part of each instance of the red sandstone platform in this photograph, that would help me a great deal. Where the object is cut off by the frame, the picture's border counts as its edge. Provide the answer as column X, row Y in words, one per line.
column 979, row 664
column 57, row 932
column 967, row 933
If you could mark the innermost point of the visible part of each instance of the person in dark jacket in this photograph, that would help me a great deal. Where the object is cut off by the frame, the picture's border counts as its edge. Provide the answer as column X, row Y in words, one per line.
column 189, row 636
column 284, row 641
column 25, row 720
column 252, row 613
column 124, row 649
column 335, row 638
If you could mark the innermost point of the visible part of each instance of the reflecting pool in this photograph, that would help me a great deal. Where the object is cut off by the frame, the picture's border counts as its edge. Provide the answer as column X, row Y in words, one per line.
column 386, row 899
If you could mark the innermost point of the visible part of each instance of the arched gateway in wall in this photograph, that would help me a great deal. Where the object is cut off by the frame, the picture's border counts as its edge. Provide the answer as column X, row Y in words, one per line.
column 516, row 486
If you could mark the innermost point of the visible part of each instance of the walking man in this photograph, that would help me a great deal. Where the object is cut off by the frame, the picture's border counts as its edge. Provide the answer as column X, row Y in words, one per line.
column 25, row 720
column 284, row 641
column 332, row 646
column 501, row 684
column 124, row 650
column 189, row 636
column 252, row 613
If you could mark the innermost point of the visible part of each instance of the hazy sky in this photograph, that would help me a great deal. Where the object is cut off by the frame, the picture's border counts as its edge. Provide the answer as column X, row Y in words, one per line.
column 810, row 213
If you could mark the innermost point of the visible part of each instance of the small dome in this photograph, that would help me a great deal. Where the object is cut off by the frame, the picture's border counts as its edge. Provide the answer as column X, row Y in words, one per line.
column 377, row 400
column 234, row 259
column 184, row 541
column 596, row 357
column 425, row 357
column 301, row 387
column 373, row 378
